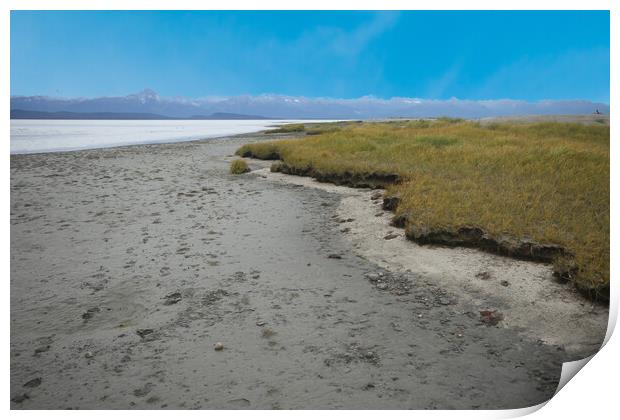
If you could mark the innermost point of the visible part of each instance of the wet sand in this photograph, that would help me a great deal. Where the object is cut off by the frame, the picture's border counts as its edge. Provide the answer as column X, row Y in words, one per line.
column 129, row 264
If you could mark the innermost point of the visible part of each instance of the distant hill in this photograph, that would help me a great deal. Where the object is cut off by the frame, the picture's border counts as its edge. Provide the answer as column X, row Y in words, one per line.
column 20, row 114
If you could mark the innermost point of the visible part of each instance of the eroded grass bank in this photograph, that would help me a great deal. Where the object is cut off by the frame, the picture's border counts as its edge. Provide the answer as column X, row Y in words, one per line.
column 537, row 191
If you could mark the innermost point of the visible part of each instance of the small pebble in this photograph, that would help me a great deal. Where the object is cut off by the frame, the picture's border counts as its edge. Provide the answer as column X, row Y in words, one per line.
column 218, row 346
column 41, row 349
column 88, row 355
column 372, row 276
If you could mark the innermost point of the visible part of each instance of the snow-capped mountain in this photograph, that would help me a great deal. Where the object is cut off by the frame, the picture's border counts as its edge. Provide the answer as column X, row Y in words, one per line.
column 281, row 106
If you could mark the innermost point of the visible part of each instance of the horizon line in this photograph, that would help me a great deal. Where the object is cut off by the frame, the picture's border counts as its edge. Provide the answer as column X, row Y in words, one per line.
column 326, row 98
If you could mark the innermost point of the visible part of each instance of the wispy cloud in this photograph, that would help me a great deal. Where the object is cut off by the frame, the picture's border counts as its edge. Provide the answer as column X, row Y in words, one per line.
column 335, row 40
column 332, row 53
column 354, row 42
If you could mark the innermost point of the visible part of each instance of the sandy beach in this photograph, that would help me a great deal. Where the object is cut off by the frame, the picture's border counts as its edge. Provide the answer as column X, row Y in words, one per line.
column 129, row 264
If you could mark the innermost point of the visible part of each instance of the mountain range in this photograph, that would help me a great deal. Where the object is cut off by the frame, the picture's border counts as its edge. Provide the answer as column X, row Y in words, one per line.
column 147, row 104
column 20, row 114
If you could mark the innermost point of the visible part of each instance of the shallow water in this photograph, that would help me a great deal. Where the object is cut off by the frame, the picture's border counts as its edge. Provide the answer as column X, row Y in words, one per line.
column 36, row 136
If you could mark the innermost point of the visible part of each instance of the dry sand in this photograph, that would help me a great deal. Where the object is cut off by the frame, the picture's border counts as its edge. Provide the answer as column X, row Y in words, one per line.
column 129, row 264
column 526, row 292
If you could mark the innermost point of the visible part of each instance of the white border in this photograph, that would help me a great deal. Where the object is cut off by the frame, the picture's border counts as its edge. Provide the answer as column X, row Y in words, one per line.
column 309, row 5
column 591, row 395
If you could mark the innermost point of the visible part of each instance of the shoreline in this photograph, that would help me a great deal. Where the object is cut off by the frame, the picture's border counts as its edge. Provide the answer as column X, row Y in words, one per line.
column 483, row 277
column 129, row 263
column 562, row 221
column 130, row 145
column 30, row 133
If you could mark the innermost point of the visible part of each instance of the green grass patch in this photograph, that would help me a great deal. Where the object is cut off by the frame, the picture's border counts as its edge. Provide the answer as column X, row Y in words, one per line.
column 239, row 166
column 548, row 182
column 288, row 128
column 450, row 120
column 321, row 129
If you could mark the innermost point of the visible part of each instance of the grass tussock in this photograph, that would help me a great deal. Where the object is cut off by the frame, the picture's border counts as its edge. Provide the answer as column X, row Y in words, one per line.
column 545, row 182
column 239, row 166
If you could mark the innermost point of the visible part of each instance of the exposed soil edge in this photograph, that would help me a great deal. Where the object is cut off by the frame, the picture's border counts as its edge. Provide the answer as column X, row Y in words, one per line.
column 373, row 180
column 349, row 179
column 564, row 268
column 252, row 155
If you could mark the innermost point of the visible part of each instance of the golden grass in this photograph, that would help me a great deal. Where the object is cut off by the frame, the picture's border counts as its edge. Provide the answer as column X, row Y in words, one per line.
column 238, row 166
column 545, row 181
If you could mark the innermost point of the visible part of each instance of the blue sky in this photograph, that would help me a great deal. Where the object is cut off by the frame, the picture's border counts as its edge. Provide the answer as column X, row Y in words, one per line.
column 529, row 55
